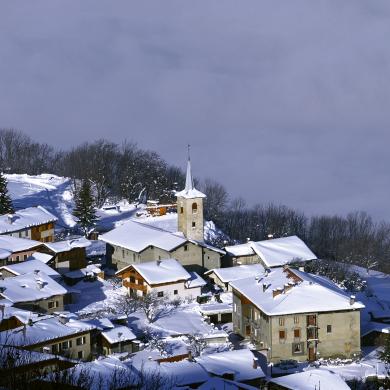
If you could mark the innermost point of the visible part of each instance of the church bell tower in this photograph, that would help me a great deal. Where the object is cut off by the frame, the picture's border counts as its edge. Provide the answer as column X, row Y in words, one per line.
column 190, row 208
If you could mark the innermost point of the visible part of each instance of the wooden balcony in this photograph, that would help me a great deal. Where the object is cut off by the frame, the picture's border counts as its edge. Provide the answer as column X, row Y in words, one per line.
column 134, row 286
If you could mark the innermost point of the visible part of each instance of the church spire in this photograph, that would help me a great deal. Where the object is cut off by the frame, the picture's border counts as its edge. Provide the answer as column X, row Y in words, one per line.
column 189, row 180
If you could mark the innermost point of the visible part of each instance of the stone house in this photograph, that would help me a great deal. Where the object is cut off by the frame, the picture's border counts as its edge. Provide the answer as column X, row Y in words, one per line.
column 167, row 278
column 35, row 291
column 53, row 335
column 275, row 252
column 33, row 223
column 289, row 314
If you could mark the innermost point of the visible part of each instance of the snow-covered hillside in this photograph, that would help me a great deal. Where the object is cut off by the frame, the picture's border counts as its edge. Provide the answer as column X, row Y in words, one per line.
column 50, row 191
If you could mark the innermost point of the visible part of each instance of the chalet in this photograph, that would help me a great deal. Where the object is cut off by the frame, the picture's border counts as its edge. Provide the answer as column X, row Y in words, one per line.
column 223, row 276
column 34, row 223
column 15, row 250
column 271, row 253
column 51, row 335
column 68, row 255
column 165, row 277
column 134, row 242
column 118, row 340
column 289, row 314
column 33, row 291
column 28, row 266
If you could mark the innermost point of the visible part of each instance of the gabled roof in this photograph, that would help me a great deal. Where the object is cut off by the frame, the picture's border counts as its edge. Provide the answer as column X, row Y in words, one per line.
column 67, row 245
column 29, row 266
column 30, row 287
column 137, row 237
column 275, row 252
column 195, row 281
column 25, row 218
column 160, row 271
column 119, row 333
column 42, row 257
column 300, row 292
column 42, row 330
column 228, row 274
column 15, row 244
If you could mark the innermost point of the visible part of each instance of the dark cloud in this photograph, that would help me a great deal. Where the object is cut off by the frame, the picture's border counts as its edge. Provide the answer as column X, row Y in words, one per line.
column 282, row 101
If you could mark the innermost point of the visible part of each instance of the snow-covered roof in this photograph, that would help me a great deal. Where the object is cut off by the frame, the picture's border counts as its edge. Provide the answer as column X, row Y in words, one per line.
column 42, row 257
column 42, row 330
column 215, row 308
column 30, row 287
column 65, row 246
column 25, row 218
column 30, row 266
column 238, row 362
column 195, row 281
column 118, row 334
column 11, row 357
column 22, row 315
column 228, row 274
column 240, row 250
column 300, row 293
column 160, row 271
column 312, row 379
column 100, row 323
column 275, row 252
column 15, row 244
column 184, row 372
column 136, row 236
column 370, row 326
column 215, row 383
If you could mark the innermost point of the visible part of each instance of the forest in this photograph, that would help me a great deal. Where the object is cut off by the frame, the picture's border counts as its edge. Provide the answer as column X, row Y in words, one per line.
column 126, row 171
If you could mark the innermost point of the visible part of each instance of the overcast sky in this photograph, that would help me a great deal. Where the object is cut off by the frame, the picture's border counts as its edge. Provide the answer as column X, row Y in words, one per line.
column 283, row 101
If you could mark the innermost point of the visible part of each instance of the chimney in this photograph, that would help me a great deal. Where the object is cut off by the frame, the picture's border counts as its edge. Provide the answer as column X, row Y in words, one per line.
column 30, row 321
column 352, row 299
column 264, row 287
column 36, row 271
column 287, row 287
column 255, row 361
column 63, row 319
column 276, row 292
column 40, row 284
column 9, row 218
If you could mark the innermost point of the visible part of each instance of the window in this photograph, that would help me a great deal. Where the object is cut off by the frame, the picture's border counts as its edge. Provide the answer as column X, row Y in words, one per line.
column 194, row 208
column 297, row 333
column 193, row 224
column 281, row 321
column 17, row 258
column 282, row 335
column 328, row 328
column 297, row 347
column 123, row 253
column 133, row 256
column 132, row 279
column 54, row 348
column 160, row 294
column 53, row 304
column 296, row 320
column 185, row 248
column 80, row 340
column 24, row 257
column 181, row 210
column 20, row 234
column 175, row 292
column 80, row 354
column 66, row 344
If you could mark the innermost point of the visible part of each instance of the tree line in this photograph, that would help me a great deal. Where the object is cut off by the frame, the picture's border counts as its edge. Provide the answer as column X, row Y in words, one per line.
column 126, row 171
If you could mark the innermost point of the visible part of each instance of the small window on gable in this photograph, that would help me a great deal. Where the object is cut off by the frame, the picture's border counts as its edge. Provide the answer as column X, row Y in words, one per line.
column 194, row 208
column 175, row 292
column 185, row 248
column 328, row 328
column 193, row 224
column 160, row 294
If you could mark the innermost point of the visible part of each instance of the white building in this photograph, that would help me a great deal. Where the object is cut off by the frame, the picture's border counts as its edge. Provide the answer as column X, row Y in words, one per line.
column 271, row 253
column 167, row 278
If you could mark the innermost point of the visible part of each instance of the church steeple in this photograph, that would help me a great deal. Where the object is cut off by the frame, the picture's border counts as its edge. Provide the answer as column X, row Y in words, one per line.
column 190, row 207
column 189, row 180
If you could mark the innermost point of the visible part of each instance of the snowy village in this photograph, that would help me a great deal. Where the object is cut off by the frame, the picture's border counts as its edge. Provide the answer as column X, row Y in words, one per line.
column 194, row 195
column 142, row 299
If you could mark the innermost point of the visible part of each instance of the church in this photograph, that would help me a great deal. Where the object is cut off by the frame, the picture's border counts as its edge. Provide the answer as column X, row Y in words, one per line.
column 135, row 242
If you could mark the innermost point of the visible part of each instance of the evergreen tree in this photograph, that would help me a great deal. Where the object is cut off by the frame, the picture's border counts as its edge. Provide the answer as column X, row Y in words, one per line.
column 84, row 209
column 6, row 206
